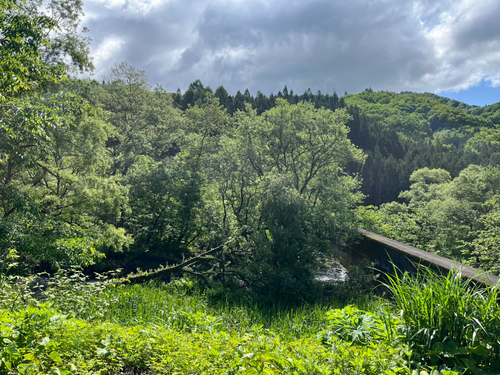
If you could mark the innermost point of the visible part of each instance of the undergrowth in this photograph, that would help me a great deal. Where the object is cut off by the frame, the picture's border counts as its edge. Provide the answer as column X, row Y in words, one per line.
column 449, row 320
column 75, row 327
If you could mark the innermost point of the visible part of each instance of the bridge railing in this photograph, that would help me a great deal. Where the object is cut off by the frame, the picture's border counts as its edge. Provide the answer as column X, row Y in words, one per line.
column 386, row 253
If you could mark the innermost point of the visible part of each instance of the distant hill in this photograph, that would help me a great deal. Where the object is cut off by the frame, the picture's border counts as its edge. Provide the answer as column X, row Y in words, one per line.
column 489, row 112
column 413, row 112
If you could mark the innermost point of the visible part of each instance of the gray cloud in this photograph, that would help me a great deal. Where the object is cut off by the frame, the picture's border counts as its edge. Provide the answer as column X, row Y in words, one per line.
column 425, row 45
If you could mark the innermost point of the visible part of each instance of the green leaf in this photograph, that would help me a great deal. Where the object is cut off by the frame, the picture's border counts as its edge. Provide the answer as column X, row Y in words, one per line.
column 11, row 349
column 270, row 356
column 55, row 357
column 439, row 347
column 269, row 236
column 7, row 364
column 453, row 349
column 479, row 350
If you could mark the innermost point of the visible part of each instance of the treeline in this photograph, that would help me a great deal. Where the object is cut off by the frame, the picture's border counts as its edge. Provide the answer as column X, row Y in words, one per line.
column 431, row 170
column 404, row 132
column 196, row 92
column 129, row 180
column 399, row 132
column 458, row 218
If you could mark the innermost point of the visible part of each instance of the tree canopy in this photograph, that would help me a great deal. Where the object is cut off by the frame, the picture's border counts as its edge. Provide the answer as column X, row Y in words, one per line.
column 252, row 192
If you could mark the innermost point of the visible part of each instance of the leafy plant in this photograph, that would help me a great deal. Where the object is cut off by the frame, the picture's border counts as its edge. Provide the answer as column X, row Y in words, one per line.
column 359, row 327
column 448, row 320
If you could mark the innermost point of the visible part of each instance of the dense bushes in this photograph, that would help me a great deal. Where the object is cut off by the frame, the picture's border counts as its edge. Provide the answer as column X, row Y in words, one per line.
column 166, row 329
column 36, row 341
column 456, row 218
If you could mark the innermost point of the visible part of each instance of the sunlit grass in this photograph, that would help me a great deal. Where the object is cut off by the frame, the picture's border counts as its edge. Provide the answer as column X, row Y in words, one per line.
column 448, row 319
column 181, row 306
column 450, row 324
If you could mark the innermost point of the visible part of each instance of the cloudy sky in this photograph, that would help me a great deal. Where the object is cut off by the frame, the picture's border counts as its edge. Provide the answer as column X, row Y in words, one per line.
column 442, row 46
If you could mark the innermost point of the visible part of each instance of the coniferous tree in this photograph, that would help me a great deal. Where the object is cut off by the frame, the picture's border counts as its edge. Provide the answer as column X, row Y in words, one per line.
column 239, row 102
column 285, row 93
column 261, row 103
column 272, row 101
column 248, row 97
column 335, row 101
column 222, row 94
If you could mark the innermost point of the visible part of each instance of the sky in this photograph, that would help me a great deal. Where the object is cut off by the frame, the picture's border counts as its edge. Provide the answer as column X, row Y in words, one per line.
column 449, row 47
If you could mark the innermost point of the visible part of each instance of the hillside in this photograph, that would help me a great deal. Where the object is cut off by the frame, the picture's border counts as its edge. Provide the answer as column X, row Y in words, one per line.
column 400, row 133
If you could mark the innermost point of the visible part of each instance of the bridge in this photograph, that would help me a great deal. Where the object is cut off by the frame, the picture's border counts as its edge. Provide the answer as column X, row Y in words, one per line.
column 386, row 253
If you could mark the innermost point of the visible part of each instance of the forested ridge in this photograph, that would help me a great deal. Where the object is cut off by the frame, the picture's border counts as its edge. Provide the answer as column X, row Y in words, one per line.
column 117, row 173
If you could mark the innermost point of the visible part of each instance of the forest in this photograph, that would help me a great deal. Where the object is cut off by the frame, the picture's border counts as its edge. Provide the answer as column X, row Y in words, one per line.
column 238, row 202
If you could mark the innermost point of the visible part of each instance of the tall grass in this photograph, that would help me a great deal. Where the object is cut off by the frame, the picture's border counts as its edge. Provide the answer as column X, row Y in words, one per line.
column 448, row 319
column 182, row 306
column 177, row 328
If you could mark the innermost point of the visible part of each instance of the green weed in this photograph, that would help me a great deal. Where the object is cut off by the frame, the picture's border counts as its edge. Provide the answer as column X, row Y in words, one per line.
column 448, row 320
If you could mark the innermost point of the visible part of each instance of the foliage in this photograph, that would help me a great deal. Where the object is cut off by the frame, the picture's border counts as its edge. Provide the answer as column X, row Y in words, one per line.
column 408, row 131
column 484, row 147
column 452, row 217
column 57, row 204
column 448, row 320
column 491, row 112
column 51, row 160
column 67, row 44
column 400, row 132
column 356, row 326
column 484, row 250
column 165, row 328
column 35, row 42
column 81, row 328
column 366, row 332
column 390, row 105
column 282, row 188
column 21, row 61
column 40, row 342
column 144, row 122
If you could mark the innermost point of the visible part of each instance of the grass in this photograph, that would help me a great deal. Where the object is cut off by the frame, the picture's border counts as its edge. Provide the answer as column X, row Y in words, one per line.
column 449, row 320
column 451, row 326
column 181, row 306
column 83, row 328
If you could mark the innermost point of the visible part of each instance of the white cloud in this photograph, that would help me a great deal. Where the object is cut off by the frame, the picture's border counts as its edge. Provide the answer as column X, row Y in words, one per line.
column 131, row 7
column 466, row 45
column 107, row 50
column 423, row 45
column 494, row 80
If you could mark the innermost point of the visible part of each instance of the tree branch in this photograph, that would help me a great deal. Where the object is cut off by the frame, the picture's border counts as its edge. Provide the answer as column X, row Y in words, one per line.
column 176, row 269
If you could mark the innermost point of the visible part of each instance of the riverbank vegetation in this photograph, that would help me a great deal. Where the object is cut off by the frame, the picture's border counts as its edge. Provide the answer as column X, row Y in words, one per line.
column 239, row 202
column 436, row 324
